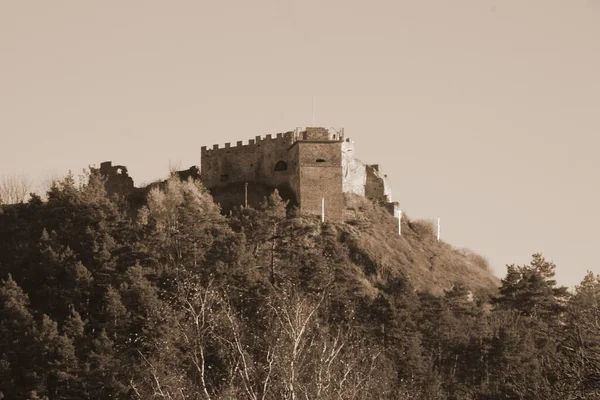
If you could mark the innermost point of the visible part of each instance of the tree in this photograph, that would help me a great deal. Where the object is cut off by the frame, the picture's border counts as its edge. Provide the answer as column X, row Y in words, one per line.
column 17, row 372
column 33, row 356
column 514, row 370
column 526, row 343
column 579, row 364
column 183, row 225
column 56, row 359
column 113, row 310
column 531, row 290
column 14, row 188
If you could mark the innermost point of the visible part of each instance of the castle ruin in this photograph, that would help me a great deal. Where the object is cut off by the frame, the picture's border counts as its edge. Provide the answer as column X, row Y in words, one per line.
column 305, row 165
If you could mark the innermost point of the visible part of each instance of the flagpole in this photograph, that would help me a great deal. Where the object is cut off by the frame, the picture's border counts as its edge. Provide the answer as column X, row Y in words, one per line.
column 313, row 111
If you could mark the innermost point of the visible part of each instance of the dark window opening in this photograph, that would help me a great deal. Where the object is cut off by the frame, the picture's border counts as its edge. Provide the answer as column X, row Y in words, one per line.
column 224, row 178
column 320, row 160
column 281, row 166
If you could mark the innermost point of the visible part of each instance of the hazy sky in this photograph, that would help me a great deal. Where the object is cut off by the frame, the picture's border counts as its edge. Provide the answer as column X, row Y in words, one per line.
column 486, row 113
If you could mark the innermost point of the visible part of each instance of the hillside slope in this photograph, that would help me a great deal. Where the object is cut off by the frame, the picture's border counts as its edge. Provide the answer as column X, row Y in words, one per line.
column 430, row 264
column 376, row 252
column 166, row 297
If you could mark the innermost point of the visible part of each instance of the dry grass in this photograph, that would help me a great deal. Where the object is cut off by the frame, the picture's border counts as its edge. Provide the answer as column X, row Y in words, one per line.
column 381, row 254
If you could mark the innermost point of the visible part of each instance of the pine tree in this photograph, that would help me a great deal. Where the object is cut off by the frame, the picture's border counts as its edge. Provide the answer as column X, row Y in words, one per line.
column 17, row 370
column 579, row 362
column 531, row 290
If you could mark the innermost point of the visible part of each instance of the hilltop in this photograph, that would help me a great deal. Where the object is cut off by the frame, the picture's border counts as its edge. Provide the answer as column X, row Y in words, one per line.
column 156, row 292
column 365, row 227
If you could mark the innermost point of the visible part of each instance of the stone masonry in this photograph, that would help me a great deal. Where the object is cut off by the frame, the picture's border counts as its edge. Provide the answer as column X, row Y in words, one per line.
column 304, row 165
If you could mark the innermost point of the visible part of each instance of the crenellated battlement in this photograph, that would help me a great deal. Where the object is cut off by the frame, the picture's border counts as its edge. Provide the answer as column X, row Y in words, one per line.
column 319, row 134
column 286, row 138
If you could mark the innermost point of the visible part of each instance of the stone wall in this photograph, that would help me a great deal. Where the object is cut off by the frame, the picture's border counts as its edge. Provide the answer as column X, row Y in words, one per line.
column 192, row 172
column 361, row 179
column 118, row 180
column 233, row 195
column 253, row 162
column 294, row 168
column 376, row 187
column 354, row 171
column 320, row 176
column 263, row 162
column 319, row 134
column 305, row 165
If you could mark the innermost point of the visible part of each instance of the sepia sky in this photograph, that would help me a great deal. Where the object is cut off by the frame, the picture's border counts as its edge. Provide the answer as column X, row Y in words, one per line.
column 486, row 113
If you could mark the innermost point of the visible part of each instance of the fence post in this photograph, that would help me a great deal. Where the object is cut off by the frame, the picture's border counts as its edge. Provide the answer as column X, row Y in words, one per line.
column 400, row 222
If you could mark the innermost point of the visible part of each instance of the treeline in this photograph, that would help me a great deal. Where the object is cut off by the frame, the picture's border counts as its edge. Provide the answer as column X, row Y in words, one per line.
column 175, row 301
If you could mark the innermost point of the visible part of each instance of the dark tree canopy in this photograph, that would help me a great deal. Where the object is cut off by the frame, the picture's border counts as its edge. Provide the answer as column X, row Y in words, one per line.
column 103, row 297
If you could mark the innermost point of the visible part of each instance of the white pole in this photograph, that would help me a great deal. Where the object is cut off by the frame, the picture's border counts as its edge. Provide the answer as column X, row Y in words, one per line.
column 400, row 222
column 438, row 230
column 323, row 209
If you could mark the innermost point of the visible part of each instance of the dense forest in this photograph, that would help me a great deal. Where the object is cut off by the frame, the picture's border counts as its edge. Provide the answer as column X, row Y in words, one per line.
column 101, row 297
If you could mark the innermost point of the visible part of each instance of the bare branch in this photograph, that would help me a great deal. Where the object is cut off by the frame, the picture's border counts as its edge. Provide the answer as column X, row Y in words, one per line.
column 14, row 188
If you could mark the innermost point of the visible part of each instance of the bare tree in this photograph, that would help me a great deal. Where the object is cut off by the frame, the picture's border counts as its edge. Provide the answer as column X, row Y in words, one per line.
column 295, row 318
column 194, row 330
column 255, row 385
column 314, row 362
column 14, row 188
column 300, row 359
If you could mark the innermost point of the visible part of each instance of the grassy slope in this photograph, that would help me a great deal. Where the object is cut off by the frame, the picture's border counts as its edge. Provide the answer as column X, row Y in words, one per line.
column 378, row 253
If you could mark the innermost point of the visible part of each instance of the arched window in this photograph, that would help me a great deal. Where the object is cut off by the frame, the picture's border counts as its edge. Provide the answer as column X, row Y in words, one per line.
column 320, row 160
column 281, row 166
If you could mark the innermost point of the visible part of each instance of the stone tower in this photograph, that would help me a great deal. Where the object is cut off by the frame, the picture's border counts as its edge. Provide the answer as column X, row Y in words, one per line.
column 317, row 160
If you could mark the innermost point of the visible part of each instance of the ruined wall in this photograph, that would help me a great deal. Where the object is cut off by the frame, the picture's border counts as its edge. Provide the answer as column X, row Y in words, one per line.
column 376, row 187
column 320, row 176
column 192, row 172
column 364, row 180
column 387, row 189
column 393, row 208
column 118, row 180
column 354, row 171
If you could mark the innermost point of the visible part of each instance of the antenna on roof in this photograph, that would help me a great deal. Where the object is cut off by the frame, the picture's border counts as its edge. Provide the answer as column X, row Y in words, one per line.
column 313, row 111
